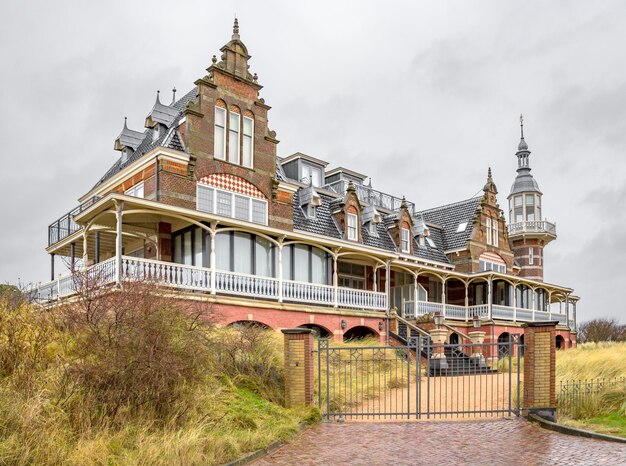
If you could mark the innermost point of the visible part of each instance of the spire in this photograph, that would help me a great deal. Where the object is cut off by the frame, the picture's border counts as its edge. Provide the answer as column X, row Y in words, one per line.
column 236, row 29
column 490, row 185
column 522, row 146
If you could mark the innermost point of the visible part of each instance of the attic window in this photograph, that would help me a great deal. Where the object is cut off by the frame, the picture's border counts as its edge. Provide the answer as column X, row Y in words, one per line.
column 431, row 243
column 352, row 231
column 126, row 153
column 461, row 228
column 310, row 210
column 372, row 229
column 405, row 244
column 156, row 131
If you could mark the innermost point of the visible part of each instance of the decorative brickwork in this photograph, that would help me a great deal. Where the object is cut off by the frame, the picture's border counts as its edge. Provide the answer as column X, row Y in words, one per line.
column 540, row 369
column 298, row 367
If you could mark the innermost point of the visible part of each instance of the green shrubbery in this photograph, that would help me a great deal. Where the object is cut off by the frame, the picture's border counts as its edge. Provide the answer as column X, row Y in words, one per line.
column 134, row 378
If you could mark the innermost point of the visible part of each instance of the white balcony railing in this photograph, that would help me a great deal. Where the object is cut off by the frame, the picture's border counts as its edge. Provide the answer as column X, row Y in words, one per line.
column 540, row 226
column 193, row 278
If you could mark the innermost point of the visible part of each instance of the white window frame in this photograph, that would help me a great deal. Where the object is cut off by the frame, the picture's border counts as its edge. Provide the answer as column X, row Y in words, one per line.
column 488, row 222
column 223, row 129
column 531, row 256
column 251, row 202
column 405, row 244
column 134, row 190
column 485, row 265
column 352, row 230
column 251, row 141
column 495, row 234
column 238, row 139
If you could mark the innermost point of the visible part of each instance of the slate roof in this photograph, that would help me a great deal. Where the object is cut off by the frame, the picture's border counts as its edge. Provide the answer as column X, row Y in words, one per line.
column 427, row 251
column 168, row 138
column 382, row 241
column 322, row 224
column 448, row 218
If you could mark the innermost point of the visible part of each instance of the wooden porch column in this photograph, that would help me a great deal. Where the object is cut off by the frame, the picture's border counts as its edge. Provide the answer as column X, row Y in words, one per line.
column 97, row 258
column 532, row 302
column 118, row 243
column 443, row 296
column 515, row 302
column 415, row 294
column 72, row 256
column 212, row 259
column 466, row 301
column 335, row 281
column 85, row 247
column 52, row 267
column 489, row 300
column 280, row 270
column 549, row 305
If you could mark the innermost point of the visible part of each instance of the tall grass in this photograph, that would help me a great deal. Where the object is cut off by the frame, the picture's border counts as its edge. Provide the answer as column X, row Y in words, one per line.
column 590, row 382
column 131, row 382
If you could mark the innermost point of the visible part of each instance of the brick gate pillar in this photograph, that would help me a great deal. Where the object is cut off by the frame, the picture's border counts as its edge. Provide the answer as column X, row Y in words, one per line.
column 540, row 369
column 298, row 367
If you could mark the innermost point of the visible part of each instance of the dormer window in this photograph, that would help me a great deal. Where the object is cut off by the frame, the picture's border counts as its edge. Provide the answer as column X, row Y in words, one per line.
column 405, row 245
column 156, row 132
column 372, row 229
column 309, row 201
column 311, row 175
column 126, row 153
column 352, row 227
column 310, row 211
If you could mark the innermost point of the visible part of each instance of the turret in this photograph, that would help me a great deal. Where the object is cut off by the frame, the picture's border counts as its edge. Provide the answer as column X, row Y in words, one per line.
column 528, row 231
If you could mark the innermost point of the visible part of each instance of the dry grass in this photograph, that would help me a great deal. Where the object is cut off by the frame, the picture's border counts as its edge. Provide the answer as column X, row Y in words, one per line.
column 61, row 404
column 592, row 361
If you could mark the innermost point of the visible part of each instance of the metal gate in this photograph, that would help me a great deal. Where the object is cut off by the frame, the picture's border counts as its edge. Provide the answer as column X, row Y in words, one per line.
column 419, row 380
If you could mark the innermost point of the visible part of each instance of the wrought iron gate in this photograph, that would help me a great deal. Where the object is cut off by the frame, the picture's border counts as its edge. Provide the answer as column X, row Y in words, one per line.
column 419, row 380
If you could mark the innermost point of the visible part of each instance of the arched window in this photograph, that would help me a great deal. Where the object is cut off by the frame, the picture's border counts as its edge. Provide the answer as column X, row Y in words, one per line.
column 247, row 141
column 234, row 121
column 219, row 150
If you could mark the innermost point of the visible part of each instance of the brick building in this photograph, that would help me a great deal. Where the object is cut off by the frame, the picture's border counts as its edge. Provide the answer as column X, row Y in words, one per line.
column 199, row 200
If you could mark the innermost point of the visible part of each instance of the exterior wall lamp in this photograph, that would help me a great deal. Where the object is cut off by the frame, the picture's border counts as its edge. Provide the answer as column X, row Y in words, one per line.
column 438, row 318
column 381, row 326
column 344, row 324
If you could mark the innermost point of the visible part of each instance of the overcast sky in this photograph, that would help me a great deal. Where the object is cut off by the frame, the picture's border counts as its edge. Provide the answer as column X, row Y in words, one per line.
column 421, row 96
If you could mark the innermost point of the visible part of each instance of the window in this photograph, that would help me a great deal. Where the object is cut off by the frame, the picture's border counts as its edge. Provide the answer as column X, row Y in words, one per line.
column 233, row 137
column 135, row 191
column 430, row 242
column 486, row 265
column 244, row 253
column 309, row 210
column 404, row 240
column 372, row 229
column 219, row 150
column 188, row 246
column 518, row 209
column 494, row 236
column 488, row 230
column 156, row 132
column 311, row 174
column 247, row 144
column 530, row 207
column 229, row 204
column 531, row 256
column 351, row 275
column 352, row 231
column 461, row 228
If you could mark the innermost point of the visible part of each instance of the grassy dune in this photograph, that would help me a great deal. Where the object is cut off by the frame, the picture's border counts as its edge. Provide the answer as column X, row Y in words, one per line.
column 602, row 410
column 130, row 386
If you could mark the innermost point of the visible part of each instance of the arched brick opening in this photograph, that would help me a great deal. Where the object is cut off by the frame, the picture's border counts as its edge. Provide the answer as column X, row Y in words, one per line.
column 359, row 332
column 503, row 344
column 559, row 342
column 455, row 338
column 318, row 330
column 238, row 324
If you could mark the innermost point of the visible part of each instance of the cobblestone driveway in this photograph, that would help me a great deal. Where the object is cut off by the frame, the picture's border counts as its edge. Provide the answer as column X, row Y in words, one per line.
column 492, row 442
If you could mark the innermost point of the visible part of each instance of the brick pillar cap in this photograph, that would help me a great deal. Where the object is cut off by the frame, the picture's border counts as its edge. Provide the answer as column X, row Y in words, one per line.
column 296, row 331
column 551, row 323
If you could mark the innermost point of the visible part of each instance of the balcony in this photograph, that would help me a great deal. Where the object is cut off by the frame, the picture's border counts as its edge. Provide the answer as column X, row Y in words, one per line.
column 370, row 196
column 65, row 226
column 191, row 278
column 455, row 312
column 542, row 226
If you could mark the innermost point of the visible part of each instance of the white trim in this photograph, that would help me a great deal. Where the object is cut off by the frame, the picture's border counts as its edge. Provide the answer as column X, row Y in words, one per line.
column 406, row 231
column 162, row 153
column 243, row 136
column 354, row 228
column 224, row 128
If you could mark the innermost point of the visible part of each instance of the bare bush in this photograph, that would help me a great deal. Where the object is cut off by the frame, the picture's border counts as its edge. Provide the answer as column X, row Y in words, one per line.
column 603, row 329
column 133, row 349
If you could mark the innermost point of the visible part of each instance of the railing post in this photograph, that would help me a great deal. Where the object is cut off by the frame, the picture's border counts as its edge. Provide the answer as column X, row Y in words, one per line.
column 59, row 287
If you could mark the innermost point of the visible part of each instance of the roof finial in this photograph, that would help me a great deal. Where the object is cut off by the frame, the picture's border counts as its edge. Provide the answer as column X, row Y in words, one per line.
column 521, row 123
column 489, row 178
column 125, row 118
column 522, row 146
column 236, row 27
column 173, row 95
column 157, row 99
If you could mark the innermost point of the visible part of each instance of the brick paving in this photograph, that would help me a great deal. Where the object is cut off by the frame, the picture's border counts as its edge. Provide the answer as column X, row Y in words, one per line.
column 484, row 442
